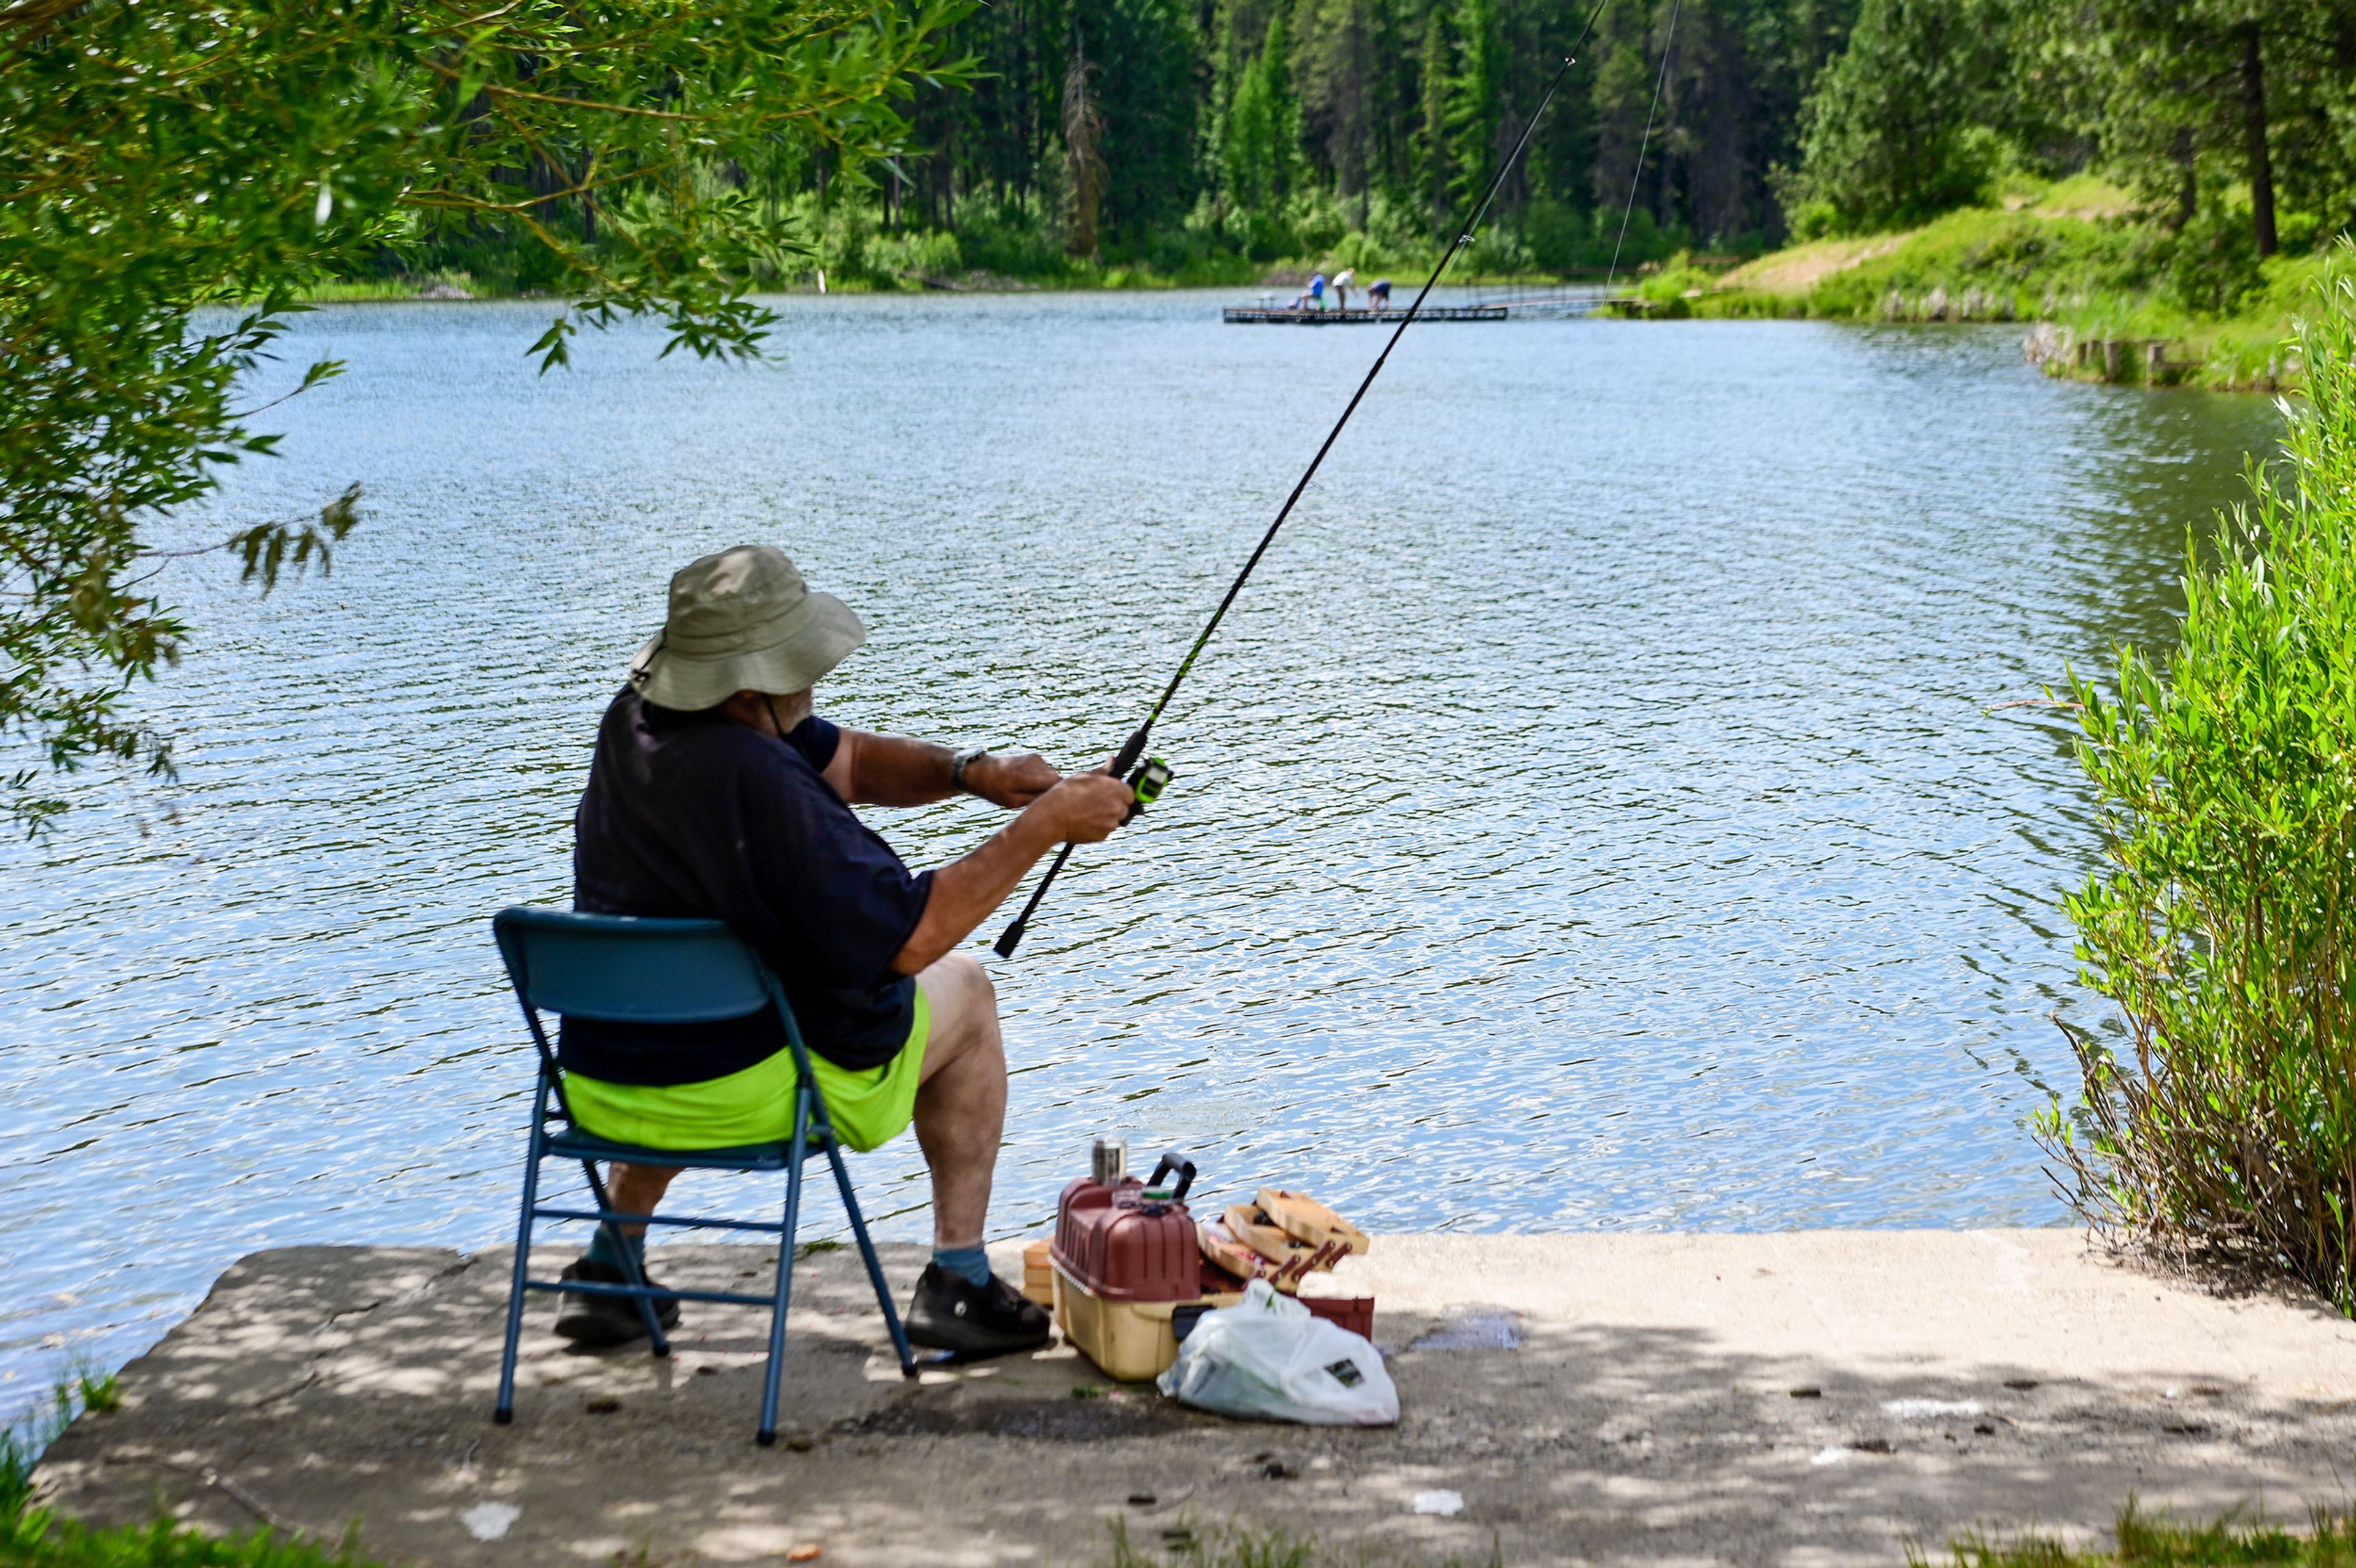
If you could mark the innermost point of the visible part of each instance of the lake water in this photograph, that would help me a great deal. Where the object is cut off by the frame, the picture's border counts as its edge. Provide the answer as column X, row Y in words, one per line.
column 1597, row 813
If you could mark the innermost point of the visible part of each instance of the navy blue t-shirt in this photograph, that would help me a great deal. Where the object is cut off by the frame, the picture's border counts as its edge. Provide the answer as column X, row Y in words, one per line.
column 691, row 814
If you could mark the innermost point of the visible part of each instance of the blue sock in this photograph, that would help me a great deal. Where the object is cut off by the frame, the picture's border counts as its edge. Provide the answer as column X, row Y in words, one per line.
column 970, row 1261
column 602, row 1251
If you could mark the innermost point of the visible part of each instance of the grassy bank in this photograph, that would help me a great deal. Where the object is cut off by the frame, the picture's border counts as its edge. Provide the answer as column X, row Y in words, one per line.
column 2146, row 1542
column 2110, row 294
column 32, row 1537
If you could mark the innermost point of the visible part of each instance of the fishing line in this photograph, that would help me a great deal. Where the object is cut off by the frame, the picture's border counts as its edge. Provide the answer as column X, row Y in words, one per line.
column 1147, row 777
column 1644, row 146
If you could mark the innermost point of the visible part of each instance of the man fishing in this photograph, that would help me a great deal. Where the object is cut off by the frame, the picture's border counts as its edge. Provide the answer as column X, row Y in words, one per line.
column 716, row 791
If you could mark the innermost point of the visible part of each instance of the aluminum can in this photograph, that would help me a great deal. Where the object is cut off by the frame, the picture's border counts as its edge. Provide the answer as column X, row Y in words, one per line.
column 1108, row 1161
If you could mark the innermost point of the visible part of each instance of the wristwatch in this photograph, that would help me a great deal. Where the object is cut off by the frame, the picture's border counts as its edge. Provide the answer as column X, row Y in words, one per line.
column 962, row 761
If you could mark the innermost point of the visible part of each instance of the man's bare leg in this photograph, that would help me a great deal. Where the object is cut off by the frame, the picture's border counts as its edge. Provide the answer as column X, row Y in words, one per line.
column 961, row 1097
column 636, row 1188
column 960, row 1119
column 605, row 1320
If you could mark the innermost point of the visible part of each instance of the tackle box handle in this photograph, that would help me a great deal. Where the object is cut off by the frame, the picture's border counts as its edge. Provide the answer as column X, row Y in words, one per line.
column 1173, row 1159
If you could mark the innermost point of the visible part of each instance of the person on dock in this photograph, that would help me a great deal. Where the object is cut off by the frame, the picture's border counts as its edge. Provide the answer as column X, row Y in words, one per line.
column 1378, row 293
column 1317, row 291
column 1343, row 281
column 716, row 791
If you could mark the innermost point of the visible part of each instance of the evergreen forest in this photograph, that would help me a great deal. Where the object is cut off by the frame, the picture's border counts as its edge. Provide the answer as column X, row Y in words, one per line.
column 1208, row 140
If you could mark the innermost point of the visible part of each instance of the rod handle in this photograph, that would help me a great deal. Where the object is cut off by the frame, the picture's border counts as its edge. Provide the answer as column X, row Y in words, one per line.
column 1012, row 938
column 1131, row 751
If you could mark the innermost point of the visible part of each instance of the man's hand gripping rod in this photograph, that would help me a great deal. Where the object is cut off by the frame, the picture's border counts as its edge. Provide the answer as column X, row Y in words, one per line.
column 1147, row 776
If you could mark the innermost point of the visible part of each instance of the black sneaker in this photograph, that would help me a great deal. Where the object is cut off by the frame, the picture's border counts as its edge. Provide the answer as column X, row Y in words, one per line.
column 593, row 1321
column 950, row 1312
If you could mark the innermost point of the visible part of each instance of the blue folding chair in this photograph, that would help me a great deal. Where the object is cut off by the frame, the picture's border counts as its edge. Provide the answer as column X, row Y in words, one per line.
column 620, row 969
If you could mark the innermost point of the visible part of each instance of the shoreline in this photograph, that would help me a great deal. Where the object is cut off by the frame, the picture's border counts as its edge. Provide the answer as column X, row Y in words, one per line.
column 2214, row 359
column 1825, row 1396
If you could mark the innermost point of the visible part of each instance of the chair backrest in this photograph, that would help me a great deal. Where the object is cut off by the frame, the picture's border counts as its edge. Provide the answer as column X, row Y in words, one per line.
column 624, row 969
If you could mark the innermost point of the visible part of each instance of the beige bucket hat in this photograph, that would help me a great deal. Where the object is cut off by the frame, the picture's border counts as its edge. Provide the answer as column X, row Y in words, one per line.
column 743, row 621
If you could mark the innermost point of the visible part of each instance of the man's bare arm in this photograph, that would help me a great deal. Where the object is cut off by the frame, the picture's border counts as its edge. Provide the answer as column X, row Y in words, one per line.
column 891, row 770
column 1081, row 809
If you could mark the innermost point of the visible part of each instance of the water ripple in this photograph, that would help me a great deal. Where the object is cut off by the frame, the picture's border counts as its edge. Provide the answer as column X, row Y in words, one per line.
column 1593, row 817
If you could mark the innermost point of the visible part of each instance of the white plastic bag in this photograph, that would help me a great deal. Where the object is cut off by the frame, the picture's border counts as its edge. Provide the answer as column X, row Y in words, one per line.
column 1271, row 1357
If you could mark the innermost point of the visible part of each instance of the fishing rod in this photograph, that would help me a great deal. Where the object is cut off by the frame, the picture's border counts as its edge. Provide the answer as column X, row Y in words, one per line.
column 1149, row 776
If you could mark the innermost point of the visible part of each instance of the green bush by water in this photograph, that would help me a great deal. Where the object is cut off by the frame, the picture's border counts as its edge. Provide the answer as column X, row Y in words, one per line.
column 2220, row 1120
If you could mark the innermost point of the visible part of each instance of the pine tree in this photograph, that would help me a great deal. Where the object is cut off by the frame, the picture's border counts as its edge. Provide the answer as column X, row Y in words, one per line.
column 1260, row 155
column 1435, row 163
column 1475, row 94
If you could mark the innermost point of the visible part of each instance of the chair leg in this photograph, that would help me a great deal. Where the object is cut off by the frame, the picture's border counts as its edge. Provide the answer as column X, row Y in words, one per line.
column 503, row 1411
column 657, row 1345
column 875, row 1265
column 766, row 1434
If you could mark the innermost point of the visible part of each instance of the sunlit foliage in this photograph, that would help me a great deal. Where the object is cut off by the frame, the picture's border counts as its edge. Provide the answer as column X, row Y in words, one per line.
column 2223, row 921
column 172, row 177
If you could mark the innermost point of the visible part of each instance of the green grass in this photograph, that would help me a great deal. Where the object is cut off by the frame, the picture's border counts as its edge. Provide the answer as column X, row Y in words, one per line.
column 37, row 1541
column 34, row 1538
column 2074, row 255
column 340, row 291
column 2146, row 1540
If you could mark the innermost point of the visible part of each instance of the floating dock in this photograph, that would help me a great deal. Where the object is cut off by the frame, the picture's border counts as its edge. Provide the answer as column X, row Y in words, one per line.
column 1257, row 316
column 1486, row 310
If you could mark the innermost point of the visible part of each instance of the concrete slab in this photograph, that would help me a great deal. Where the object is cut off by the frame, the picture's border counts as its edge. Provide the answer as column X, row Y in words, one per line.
column 1802, row 1398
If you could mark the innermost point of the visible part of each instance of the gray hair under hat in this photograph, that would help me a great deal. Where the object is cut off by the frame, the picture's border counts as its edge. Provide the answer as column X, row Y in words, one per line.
column 743, row 621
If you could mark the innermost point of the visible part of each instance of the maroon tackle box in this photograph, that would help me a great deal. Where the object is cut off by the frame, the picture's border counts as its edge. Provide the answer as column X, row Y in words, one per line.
column 1119, row 1246
column 1123, row 1262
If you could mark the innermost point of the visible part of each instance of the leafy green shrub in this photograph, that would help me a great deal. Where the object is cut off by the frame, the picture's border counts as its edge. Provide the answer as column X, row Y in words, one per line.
column 1887, row 134
column 1012, row 239
column 1814, row 218
column 915, row 254
column 1496, row 251
column 2222, row 918
column 159, row 162
column 2212, row 267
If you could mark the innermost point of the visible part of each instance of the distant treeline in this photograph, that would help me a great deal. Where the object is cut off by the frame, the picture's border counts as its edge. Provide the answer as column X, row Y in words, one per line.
column 1260, row 124
column 1189, row 137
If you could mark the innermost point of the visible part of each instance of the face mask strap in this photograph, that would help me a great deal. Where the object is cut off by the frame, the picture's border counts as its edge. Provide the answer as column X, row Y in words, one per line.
column 645, row 672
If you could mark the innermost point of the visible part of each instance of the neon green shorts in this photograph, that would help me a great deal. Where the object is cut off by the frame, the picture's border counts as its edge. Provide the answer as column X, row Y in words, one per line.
column 756, row 1105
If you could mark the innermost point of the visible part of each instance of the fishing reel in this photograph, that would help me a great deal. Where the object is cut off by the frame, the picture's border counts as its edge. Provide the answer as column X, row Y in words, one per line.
column 1146, row 781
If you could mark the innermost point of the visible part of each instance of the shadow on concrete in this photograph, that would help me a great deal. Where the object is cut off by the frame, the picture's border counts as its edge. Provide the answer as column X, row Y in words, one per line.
column 320, row 1387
